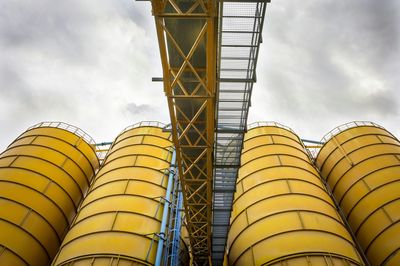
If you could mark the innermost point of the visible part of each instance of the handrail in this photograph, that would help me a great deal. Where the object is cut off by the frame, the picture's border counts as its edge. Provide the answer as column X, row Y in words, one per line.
column 73, row 129
column 145, row 124
column 268, row 124
column 346, row 126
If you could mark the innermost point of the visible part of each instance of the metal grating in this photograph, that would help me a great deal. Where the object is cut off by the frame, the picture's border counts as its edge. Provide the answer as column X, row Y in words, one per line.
column 239, row 36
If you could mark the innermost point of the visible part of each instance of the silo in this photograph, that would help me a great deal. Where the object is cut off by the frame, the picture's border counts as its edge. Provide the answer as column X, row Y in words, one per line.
column 282, row 213
column 361, row 163
column 44, row 174
column 119, row 220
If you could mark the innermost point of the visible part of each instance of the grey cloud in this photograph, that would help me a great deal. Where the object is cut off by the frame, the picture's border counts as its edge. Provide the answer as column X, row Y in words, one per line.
column 139, row 109
column 13, row 87
column 329, row 61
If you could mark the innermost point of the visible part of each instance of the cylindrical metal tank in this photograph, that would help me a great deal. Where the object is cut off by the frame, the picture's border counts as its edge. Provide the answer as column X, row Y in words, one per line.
column 282, row 213
column 44, row 174
column 120, row 218
column 361, row 163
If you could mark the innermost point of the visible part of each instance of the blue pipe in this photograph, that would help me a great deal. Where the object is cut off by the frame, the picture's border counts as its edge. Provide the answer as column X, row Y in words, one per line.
column 177, row 233
column 165, row 212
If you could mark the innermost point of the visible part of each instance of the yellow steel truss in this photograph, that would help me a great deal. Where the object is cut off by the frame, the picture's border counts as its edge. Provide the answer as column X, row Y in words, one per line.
column 186, row 32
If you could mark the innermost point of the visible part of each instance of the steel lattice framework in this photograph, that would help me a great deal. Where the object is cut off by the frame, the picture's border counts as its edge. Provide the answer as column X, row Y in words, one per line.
column 186, row 31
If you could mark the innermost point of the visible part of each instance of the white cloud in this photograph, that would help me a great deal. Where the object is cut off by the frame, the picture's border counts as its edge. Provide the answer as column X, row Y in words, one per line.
column 90, row 63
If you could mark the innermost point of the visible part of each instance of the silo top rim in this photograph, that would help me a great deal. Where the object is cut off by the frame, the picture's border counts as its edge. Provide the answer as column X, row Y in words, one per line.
column 268, row 124
column 346, row 126
column 71, row 128
column 145, row 124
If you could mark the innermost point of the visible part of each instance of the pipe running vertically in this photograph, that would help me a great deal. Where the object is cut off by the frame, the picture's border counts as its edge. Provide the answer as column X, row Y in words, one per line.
column 165, row 211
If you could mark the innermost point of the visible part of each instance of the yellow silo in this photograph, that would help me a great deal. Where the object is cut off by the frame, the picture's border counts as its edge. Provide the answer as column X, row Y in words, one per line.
column 44, row 174
column 361, row 163
column 119, row 220
column 282, row 213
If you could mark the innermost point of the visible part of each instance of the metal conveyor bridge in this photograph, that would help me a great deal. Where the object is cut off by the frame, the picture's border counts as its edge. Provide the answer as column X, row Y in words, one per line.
column 209, row 52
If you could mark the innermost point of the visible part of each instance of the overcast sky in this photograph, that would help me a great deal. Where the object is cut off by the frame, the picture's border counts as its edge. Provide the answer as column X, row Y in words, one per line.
column 90, row 63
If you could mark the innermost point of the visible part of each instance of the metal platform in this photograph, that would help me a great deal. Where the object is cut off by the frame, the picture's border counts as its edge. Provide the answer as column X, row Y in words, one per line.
column 239, row 37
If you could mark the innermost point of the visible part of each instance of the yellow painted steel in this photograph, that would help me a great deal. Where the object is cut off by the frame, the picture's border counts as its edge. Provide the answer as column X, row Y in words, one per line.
column 361, row 163
column 44, row 175
column 119, row 219
column 187, row 38
column 282, row 213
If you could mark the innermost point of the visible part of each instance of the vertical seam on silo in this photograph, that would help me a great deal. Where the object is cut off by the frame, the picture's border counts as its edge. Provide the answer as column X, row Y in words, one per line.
column 2, row 249
column 78, row 142
column 252, row 255
column 331, row 259
column 301, row 220
column 151, row 245
column 114, row 220
column 25, row 217
column 33, row 139
column 47, row 187
column 341, row 149
column 13, row 161
column 379, row 139
column 288, row 184
column 366, row 184
column 126, row 186
column 64, row 162
column 279, row 159
column 387, row 215
column 308, row 260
